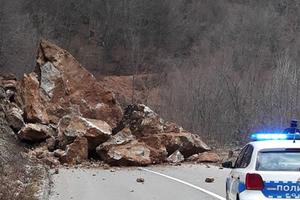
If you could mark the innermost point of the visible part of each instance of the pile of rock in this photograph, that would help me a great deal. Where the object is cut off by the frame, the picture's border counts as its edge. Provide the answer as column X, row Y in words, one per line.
column 69, row 117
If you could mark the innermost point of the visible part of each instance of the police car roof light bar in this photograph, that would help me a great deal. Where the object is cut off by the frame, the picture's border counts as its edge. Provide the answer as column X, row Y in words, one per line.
column 269, row 136
column 274, row 136
column 291, row 133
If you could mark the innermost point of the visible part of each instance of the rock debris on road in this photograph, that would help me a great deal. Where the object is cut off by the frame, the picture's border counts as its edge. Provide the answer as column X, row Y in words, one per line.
column 122, row 184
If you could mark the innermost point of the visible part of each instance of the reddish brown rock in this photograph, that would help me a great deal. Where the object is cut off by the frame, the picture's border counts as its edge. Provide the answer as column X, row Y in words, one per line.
column 66, row 83
column 32, row 102
column 208, row 157
column 77, row 152
column 73, row 126
column 35, row 132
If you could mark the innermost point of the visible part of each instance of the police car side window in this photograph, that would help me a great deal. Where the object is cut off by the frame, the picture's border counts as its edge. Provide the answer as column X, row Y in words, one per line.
column 247, row 157
column 240, row 158
column 244, row 158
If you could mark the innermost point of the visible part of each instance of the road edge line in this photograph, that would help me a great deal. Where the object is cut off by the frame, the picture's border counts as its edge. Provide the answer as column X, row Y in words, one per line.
column 184, row 182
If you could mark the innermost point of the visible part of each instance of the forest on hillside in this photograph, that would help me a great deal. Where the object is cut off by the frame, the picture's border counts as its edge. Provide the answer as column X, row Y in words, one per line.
column 226, row 67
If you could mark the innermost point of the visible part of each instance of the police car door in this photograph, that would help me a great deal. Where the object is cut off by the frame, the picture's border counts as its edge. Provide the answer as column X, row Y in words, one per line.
column 280, row 171
column 239, row 172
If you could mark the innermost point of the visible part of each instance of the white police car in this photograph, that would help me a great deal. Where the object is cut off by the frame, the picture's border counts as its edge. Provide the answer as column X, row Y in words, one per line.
column 267, row 168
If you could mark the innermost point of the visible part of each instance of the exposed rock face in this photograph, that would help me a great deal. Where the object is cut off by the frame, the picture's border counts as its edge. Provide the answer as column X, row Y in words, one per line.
column 67, row 83
column 49, row 74
column 72, row 126
column 77, row 152
column 35, row 132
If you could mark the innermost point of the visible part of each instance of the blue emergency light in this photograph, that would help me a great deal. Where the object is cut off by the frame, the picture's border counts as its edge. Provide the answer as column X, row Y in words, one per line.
column 275, row 136
column 291, row 133
column 269, row 136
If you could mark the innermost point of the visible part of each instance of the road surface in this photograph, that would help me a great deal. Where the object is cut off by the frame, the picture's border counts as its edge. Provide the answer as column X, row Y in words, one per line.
column 161, row 183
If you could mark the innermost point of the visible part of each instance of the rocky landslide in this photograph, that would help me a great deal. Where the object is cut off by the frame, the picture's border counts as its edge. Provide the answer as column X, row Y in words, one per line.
column 67, row 117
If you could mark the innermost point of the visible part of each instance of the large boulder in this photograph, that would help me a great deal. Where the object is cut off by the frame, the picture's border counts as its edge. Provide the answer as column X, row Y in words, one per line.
column 76, row 152
column 35, row 132
column 208, row 157
column 187, row 143
column 67, row 86
column 32, row 102
column 132, row 153
column 72, row 126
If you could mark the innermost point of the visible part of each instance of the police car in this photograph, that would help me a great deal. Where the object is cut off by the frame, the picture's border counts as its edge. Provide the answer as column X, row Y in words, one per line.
column 267, row 168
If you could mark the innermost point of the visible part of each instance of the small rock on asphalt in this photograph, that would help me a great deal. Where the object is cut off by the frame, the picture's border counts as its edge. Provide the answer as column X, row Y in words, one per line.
column 140, row 180
column 209, row 179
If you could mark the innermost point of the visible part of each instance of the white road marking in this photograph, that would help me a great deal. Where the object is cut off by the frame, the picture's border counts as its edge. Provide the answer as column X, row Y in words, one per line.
column 185, row 183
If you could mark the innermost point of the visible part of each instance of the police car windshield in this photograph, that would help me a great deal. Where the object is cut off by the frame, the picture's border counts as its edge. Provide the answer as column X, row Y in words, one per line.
column 278, row 160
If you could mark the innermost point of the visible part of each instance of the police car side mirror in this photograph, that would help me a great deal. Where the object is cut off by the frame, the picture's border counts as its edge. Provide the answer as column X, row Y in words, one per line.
column 227, row 164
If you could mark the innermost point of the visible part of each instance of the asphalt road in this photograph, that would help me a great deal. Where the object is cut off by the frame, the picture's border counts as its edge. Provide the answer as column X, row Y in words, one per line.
column 161, row 183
